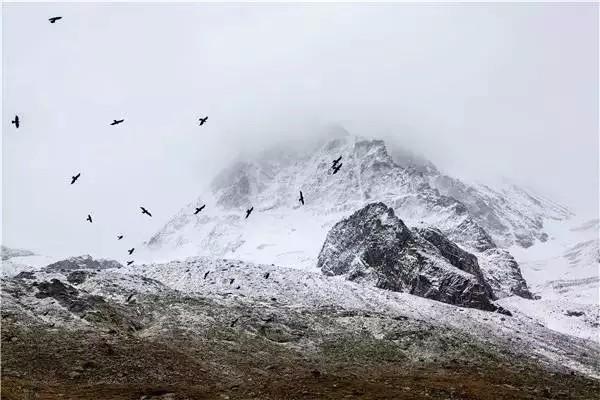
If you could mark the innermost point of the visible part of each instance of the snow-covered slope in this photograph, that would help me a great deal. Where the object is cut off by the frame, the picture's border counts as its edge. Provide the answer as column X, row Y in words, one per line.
column 18, row 260
column 234, row 322
column 565, row 267
column 268, row 284
column 281, row 231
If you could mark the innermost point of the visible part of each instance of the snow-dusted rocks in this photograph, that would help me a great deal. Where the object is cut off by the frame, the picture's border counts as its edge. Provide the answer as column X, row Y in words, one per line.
column 456, row 256
column 503, row 274
column 82, row 262
column 373, row 244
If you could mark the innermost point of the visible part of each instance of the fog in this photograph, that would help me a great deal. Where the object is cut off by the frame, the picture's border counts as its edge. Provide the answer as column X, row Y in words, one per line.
column 481, row 90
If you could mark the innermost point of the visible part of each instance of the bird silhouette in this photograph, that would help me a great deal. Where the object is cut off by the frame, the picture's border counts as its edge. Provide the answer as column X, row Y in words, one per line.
column 74, row 178
column 301, row 199
column 117, row 121
column 206, row 274
column 54, row 19
column 336, row 169
column 202, row 120
column 199, row 209
column 89, row 218
column 130, row 296
column 144, row 211
column 119, row 237
column 249, row 211
column 130, row 251
column 129, row 262
column 16, row 122
column 231, row 280
column 336, row 161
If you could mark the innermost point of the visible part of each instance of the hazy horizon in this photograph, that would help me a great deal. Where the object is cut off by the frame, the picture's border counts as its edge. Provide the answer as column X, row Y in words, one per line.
column 482, row 90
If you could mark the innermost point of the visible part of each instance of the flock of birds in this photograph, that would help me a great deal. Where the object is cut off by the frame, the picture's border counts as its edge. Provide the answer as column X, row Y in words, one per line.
column 336, row 165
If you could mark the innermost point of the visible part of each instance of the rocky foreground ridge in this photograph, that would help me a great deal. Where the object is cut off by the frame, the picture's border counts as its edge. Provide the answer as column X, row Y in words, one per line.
column 206, row 328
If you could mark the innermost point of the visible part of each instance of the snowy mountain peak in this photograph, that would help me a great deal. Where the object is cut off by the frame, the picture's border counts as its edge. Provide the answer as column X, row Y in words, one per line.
column 282, row 231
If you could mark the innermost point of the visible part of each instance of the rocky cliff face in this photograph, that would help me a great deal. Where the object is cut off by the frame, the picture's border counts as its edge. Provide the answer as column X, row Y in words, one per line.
column 373, row 244
column 456, row 256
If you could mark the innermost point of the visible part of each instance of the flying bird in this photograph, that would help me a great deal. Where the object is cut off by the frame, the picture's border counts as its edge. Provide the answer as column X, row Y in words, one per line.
column 16, row 121
column 336, row 161
column 199, row 209
column 74, row 178
column 117, row 121
column 336, row 169
column 129, row 262
column 206, row 274
column 89, row 218
column 231, row 280
column 119, row 237
column 249, row 211
column 202, row 120
column 54, row 19
column 130, row 251
column 130, row 296
column 144, row 211
column 301, row 199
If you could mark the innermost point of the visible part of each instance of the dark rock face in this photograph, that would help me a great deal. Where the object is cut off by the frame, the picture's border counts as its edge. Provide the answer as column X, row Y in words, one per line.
column 82, row 262
column 373, row 244
column 77, row 277
column 456, row 256
column 375, row 228
column 25, row 275
column 68, row 296
column 64, row 294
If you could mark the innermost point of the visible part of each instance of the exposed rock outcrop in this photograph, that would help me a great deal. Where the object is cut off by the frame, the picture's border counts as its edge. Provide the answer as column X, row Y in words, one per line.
column 373, row 244
column 82, row 262
column 456, row 256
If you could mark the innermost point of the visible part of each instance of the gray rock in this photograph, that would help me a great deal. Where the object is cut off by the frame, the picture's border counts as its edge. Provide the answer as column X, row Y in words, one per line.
column 25, row 275
column 456, row 256
column 374, row 245
column 82, row 262
column 77, row 277
column 502, row 272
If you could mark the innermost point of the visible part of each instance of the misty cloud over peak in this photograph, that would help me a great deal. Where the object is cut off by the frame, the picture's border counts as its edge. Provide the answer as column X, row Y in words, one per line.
column 480, row 90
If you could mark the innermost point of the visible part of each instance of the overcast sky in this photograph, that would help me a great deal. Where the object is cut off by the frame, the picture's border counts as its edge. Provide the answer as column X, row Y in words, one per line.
column 482, row 90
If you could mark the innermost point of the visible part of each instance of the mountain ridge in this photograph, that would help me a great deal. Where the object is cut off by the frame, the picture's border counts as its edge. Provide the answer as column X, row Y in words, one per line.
column 283, row 232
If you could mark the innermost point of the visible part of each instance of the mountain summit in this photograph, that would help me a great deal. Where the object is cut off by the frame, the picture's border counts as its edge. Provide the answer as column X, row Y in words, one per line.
column 478, row 218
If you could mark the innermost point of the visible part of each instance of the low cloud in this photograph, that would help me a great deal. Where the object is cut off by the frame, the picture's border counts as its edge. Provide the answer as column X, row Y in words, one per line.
column 481, row 90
